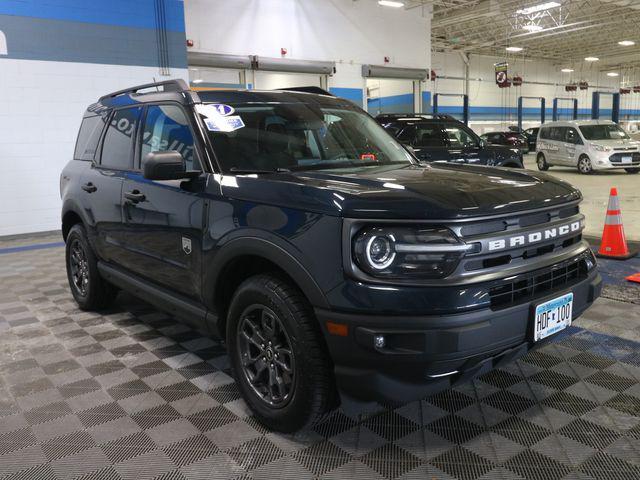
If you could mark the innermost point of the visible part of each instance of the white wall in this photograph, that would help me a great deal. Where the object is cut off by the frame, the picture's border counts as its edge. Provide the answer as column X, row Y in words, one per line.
column 348, row 32
column 41, row 106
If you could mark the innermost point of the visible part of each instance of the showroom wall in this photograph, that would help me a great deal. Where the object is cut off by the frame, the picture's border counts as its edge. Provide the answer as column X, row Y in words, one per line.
column 542, row 79
column 360, row 32
column 56, row 58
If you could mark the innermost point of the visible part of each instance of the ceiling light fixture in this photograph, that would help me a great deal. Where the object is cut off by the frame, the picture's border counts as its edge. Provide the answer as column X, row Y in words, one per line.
column 612, row 74
column 567, row 70
column 538, row 8
column 514, row 49
column 626, row 43
column 591, row 59
column 389, row 3
column 531, row 27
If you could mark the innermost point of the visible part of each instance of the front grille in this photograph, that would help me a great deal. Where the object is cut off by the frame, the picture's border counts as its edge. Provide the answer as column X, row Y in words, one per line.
column 540, row 282
column 617, row 157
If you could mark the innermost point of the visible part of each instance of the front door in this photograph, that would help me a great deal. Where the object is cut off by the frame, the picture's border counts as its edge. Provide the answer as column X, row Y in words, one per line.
column 464, row 146
column 164, row 219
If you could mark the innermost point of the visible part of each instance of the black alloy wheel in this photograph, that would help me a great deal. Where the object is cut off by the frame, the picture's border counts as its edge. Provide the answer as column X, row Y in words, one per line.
column 268, row 362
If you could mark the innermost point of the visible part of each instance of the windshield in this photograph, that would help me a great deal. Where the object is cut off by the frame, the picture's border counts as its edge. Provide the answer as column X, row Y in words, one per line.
column 603, row 132
column 297, row 136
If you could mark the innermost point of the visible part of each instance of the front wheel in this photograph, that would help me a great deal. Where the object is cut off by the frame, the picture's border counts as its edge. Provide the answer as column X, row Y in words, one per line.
column 584, row 166
column 632, row 170
column 543, row 166
column 89, row 289
column 280, row 362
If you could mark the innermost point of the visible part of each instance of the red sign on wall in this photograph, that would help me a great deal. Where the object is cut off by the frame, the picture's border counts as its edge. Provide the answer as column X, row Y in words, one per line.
column 502, row 80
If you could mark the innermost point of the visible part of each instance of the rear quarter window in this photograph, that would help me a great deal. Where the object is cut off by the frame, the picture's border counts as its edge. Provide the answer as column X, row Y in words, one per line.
column 88, row 137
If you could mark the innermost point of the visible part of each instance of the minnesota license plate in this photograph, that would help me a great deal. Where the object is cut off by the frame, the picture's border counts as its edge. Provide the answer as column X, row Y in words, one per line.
column 628, row 159
column 552, row 316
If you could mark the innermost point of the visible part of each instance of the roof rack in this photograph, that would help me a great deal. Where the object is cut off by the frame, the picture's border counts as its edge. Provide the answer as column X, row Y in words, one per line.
column 310, row 89
column 174, row 85
column 441, row 116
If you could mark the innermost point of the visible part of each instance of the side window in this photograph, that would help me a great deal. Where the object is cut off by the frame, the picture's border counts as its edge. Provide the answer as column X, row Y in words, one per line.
column 408, row 135
column 88, row 137
column 544, row 133
column 166, row 128
column 557, row 133
column 459, row 137
column 572, row 136
column 117, row 147
column 429, row 136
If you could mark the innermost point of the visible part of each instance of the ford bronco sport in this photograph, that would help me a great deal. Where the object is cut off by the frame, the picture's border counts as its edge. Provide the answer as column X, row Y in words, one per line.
column 328, row 258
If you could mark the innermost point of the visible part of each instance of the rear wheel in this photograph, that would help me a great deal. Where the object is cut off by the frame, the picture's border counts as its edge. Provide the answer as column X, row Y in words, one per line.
column 632, row 170
column 543, row 166
column 89, row 289
column 277, row 353
column 584, row 165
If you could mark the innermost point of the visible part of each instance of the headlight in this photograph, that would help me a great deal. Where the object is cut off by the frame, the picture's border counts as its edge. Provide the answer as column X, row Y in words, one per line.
column 600, row 148
column 407, row 252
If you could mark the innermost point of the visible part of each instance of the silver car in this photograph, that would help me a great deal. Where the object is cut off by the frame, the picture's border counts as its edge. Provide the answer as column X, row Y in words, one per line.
column 588, row 145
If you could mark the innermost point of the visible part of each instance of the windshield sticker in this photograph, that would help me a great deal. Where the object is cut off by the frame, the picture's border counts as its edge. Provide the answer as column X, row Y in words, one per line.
column 222, row 109
column 224, row 124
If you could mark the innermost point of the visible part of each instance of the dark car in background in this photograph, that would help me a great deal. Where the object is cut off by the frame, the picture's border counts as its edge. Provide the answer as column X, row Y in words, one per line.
column 508, row 139
column 531, row 134
column 442, row 138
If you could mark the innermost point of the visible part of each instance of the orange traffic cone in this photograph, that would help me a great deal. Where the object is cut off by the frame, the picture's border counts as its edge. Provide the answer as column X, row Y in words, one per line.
column 634, row 278
column 614, row 244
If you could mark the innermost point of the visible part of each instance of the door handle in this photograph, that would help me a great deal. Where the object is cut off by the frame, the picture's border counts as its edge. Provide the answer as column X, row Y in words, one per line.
column 135, row 196
column 89, row 187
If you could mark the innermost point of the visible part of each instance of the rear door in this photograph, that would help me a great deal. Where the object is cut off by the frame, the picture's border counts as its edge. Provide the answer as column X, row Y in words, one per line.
column 164, row 219
column 429, row 143
column 102, row 183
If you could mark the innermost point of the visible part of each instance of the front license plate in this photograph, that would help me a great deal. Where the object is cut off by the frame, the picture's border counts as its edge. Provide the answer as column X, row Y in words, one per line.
column 627, row 159
column 552, row 316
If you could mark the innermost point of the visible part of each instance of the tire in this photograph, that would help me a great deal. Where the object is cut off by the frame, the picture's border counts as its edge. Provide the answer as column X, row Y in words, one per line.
column 632, row 170
column 310, row 384
column 584, row 165
column 543, row 166
column 89, row 289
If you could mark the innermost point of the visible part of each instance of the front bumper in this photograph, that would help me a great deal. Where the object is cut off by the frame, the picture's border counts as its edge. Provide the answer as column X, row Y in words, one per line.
column 613, row 160
column 428, row 353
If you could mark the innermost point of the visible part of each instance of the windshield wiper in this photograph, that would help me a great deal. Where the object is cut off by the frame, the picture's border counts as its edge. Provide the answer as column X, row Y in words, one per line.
column 258, row 170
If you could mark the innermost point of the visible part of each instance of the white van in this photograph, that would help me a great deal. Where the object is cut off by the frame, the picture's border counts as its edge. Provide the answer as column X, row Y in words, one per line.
column 588, row 145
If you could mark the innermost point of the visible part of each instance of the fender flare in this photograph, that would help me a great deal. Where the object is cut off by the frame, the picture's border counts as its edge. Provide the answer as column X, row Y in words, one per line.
column 256, row 246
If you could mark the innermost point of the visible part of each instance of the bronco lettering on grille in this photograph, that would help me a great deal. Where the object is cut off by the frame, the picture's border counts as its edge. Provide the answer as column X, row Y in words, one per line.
column 534, row 237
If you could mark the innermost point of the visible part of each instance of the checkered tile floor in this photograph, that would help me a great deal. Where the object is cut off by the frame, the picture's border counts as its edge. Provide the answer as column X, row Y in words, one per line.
column 131, row 394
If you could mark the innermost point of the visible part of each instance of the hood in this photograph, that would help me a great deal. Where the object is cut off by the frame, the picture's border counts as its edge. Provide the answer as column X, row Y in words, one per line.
column 437, row 191
column 625, row 142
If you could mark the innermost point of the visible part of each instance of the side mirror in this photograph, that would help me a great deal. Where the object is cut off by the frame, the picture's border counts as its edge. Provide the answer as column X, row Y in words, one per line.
column 167, row 165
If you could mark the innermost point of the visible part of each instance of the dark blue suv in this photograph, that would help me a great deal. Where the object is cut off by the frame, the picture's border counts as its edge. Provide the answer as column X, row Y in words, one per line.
column 442, row 138
column 330, row 260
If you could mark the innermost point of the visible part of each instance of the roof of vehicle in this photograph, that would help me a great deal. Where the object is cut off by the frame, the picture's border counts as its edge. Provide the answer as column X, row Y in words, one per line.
column 576, row 123
column 177, row 90
column 414, row 117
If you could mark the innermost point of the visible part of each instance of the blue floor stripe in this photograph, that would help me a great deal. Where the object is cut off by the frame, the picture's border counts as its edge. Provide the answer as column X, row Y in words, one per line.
column 25, row 248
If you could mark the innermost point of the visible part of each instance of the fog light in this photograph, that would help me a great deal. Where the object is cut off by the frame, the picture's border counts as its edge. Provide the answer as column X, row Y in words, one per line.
column 378, row 341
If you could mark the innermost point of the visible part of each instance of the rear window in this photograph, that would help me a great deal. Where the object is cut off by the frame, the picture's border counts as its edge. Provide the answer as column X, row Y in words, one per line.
column 88, row 137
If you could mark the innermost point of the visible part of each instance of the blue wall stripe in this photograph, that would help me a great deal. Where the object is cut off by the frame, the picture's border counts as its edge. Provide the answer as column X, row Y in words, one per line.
column 25, row 248
column 403, row 99
column 124, row 13
column 352, row 94
column 65, row 41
